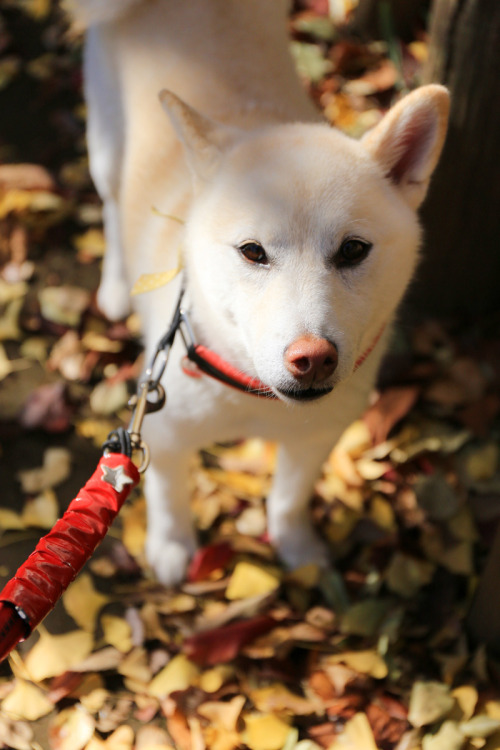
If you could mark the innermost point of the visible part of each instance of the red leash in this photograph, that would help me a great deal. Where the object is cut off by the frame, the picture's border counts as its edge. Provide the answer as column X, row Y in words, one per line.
column 61, row 554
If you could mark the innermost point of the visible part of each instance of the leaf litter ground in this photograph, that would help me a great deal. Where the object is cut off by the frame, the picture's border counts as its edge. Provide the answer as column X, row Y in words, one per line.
column 373, row 653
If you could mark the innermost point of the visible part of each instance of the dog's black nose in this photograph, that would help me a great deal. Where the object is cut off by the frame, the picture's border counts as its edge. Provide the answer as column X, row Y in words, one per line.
column 311, row 360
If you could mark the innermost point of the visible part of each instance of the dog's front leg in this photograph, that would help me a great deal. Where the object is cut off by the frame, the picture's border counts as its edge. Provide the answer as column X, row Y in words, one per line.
column 289, row 520
column 171, row 539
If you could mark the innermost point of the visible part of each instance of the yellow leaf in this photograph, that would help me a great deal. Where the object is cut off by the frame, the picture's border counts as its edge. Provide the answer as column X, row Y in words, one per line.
column 366, row 662
column 355, row 439
column 492, row 708
column 54, row 654
column 429, row 702
column 134, row 527
column 265, row 732
column 71, row 729
column 121, row 739
column 466, row 697
column 83, row 602
column 117, row 632
column 41, row 511
column 250, row 580
column 357, row 735
column 179, row 674
column 148, row 282
column 94, row 700
column 91, row 243
column 135, row 666
column 10, row 520
column 213, row 679
column 223, row 714
column 27, row 702
column 277, row 697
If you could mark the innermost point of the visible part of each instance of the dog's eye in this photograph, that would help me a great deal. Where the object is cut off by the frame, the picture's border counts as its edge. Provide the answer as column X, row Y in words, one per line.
column 352, row 252
column 254, row 253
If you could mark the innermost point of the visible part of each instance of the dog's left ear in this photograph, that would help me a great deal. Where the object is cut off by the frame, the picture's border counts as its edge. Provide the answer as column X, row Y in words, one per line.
column 408, row 141
column 204, row 139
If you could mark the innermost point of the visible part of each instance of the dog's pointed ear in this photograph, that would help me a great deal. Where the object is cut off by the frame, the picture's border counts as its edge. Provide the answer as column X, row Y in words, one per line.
column 408, row 141
column 204, row 139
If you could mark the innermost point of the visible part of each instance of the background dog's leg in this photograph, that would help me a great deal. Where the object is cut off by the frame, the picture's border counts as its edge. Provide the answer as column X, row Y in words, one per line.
column 289, row 519
column 171, row 539
column 105, row 144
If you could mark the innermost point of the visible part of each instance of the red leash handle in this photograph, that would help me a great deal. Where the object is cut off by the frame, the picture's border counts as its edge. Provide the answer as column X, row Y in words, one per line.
column 60, row 555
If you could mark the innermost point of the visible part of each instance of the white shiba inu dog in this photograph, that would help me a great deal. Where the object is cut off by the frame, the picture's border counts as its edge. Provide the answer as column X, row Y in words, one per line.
column 298, row 245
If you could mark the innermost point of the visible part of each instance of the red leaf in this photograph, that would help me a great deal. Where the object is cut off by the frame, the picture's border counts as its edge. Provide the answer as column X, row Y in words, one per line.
column 208, row 559
column 223, row 644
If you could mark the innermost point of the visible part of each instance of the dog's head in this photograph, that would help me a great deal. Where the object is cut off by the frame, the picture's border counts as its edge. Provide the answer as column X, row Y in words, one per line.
column 301, row 241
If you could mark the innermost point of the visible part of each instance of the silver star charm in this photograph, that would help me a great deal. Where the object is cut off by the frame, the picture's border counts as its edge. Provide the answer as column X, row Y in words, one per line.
column 117, row 478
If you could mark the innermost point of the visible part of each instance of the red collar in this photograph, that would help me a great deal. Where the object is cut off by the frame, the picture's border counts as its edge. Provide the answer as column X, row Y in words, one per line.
column 201, row 360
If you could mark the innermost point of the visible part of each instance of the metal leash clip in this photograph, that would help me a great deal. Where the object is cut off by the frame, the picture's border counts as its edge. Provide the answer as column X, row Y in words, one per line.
column 150, row 397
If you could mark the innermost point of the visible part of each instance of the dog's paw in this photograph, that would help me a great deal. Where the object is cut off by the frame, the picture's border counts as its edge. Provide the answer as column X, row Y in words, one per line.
column 169, row 559
column 302, row 546
column 113, row 299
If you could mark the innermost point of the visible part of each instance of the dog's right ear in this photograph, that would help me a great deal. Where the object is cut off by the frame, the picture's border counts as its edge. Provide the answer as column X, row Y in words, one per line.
column 204, row 139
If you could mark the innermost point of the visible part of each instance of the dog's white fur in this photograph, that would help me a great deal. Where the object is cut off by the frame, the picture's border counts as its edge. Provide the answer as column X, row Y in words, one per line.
column 258, row 164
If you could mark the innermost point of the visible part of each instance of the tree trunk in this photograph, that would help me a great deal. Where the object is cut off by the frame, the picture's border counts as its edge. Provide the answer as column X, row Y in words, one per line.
column 460, row 274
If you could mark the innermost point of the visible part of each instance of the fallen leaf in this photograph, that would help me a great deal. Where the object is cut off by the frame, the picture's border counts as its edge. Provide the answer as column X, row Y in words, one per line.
column 91, row 243
column 151, row 737
column 365, row 662
column 135, row 665
column 448, row 737
column 429, row 702
column 9, row 520
column 109, row 397
column 310, row 62
column 26, row 701
column 265, row 732
column 479, row 726
column 56, row 468
column 179, row 674
column 83, row 602
column 276, row 698
column 122, row 738
column 54, row 654
column 248, row 580
column 41, row 511
column 213, row 679
column 226, row 714
column 466, row 697
column 71, row 729
column 357, row 735
column 117, row 632
column 206, row 560
column 15, row 734
column 63, row 304
column 223, row 644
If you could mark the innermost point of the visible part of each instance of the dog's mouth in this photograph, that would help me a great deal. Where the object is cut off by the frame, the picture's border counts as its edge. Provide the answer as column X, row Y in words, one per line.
column 305, row 394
